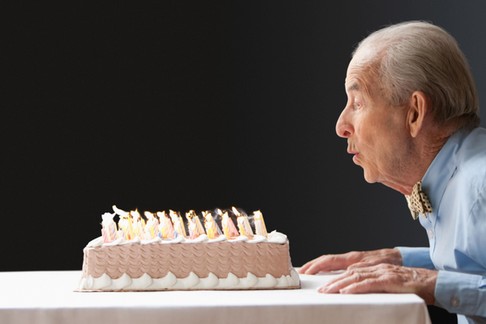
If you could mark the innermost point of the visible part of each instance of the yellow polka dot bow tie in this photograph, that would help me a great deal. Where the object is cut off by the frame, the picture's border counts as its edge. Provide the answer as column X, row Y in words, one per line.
column 418, row 202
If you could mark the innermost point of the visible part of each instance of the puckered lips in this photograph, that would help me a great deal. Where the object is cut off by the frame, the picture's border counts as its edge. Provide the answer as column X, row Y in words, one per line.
column 351, row 150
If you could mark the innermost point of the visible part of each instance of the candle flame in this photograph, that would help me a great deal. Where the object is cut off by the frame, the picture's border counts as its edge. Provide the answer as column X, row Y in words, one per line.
column 167, row 225
column 212, row 229
column 166, row 228
column 195, row 226
column 135, row 214
column 108, row 217
column 260, row 227
column 148, row 214
column 229, row 228
column 119, row 211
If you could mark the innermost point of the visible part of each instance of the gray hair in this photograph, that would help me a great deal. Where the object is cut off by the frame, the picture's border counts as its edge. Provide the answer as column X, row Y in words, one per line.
column 419, row 56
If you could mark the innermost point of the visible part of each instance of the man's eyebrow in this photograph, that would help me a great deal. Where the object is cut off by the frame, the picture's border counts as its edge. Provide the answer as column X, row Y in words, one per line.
column 353, row 87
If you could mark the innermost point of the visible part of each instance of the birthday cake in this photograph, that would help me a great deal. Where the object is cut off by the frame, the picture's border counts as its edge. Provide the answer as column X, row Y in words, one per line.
column 161, row 251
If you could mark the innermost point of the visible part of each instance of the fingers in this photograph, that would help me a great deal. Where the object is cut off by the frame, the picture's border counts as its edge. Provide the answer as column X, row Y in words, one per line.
column 305, row 268
column 351, row 260
column 330, row 262
column 312, row 267
column 362, row 264
column 367, row 279
column 315, row 266
column 348, row 282
column 384, row 278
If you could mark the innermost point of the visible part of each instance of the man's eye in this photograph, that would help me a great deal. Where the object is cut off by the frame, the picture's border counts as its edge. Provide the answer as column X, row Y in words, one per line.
column 357, row 105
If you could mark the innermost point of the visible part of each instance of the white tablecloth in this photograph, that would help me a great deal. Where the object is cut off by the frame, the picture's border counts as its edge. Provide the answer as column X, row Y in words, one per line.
column 49, row 297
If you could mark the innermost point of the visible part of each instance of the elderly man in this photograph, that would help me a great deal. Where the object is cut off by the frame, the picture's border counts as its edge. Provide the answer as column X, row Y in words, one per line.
column 412, row 123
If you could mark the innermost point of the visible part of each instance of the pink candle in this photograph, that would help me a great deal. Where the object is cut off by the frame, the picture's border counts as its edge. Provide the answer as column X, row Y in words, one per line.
column 229, row 228
column 166, row 229
column 260, row 227
column 243, row 224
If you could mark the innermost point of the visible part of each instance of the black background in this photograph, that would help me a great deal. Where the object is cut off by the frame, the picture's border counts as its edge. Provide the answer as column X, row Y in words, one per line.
column 195, row 105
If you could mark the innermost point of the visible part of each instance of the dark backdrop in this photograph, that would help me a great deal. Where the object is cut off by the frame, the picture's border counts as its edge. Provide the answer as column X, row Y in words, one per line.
column 195, row 105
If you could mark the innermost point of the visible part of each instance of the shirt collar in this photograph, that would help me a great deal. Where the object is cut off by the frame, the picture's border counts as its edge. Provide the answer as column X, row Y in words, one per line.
column 442, row 169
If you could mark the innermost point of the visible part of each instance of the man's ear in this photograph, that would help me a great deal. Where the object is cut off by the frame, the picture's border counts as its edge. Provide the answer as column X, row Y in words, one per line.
column 418, row 107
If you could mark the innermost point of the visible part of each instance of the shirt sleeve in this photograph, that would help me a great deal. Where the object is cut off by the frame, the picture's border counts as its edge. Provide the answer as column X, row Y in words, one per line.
column 417, row 257
column 461, row 293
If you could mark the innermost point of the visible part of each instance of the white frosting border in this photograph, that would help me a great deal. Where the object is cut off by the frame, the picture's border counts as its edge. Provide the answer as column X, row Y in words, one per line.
column 191, row 282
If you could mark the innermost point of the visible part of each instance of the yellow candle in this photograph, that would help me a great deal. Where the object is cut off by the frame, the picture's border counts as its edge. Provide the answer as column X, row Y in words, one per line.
column 138, row 224
column 243, row 224
column 210, row 225
column 151, row 227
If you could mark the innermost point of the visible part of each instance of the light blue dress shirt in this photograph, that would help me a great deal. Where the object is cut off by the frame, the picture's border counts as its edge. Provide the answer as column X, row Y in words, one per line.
column 456, row 186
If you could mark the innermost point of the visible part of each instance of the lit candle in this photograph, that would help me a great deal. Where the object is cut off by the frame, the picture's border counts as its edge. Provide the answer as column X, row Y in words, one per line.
column 108, row 227
column 260, row 227
column 138, row 224
column 229, row 228
column 243, row 224
column 212, row 229
column 166, row 228
column 178, row 223
column 119, row 212
column 151, row 227
column 194, row 224
column 124, row 223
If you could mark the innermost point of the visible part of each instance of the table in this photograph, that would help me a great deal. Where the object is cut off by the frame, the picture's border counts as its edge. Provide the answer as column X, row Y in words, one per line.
column 49, row 297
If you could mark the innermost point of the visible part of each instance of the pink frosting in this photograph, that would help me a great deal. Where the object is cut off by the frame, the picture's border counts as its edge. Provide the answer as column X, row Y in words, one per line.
column 219, row 258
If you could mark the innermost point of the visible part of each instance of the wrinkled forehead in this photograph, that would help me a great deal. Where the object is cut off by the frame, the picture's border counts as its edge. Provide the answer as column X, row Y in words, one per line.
column 359, row 72
column 352, row 73
column 355, row 77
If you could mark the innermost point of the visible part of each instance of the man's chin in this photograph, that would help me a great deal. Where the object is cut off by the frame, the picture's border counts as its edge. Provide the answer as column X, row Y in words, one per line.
column 368, row 178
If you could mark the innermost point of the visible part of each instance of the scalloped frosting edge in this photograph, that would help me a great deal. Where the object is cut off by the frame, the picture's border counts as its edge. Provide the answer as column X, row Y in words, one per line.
column 191, row 282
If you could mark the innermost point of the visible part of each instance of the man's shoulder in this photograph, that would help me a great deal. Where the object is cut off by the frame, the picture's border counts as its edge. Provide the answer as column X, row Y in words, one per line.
column 471, row 156
column 472, row 146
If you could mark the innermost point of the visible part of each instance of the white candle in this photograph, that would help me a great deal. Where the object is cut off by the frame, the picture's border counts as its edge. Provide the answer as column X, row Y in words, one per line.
column 151, row 227
column 108, row 227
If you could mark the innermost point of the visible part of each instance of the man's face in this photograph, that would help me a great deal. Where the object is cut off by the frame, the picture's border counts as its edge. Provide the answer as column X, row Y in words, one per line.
column 376, row 132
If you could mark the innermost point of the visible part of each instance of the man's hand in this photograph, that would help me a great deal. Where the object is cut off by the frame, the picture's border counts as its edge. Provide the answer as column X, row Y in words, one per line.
column 384, row 278
column 332, row 262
